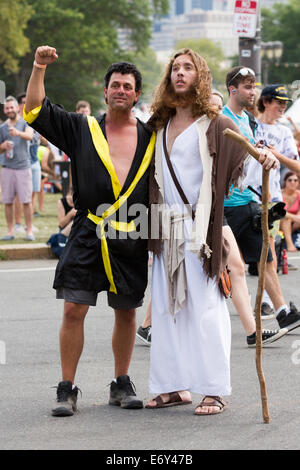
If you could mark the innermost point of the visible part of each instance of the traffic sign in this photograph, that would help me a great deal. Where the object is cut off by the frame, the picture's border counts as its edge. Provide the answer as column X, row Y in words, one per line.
column 245, row 18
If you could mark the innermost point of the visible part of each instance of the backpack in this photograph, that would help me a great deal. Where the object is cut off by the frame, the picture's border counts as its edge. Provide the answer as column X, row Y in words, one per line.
column 57, row 243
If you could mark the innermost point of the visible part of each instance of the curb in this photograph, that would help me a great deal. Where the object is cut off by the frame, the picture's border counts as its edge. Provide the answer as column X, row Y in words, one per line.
column 25, row 251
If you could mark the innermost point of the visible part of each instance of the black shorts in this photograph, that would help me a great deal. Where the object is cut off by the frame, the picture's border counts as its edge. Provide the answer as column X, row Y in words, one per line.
column 115, row 301
column 249, row 241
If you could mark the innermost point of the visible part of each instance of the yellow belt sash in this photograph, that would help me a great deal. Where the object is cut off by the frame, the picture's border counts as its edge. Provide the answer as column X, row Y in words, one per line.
column 102, row 149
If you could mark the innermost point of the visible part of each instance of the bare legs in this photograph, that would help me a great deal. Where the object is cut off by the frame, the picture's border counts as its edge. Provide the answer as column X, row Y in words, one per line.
column 240, row 293
column 72, row 339
column 123, row 340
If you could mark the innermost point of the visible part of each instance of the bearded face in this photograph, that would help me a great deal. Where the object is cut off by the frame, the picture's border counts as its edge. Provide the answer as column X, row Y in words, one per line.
column 183, row 80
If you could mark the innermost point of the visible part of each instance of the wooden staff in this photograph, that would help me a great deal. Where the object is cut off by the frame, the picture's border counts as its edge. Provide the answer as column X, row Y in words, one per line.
column 262, row 268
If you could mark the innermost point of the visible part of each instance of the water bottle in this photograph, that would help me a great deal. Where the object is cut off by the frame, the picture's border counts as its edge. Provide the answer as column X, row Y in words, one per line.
column 10, row 152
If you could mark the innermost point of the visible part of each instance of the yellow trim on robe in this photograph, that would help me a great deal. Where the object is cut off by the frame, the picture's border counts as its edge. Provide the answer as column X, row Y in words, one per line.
column 120, row 226
column 102, row 148
column 31, row 115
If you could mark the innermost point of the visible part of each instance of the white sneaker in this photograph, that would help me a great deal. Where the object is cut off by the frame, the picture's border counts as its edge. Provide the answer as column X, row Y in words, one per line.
column 19, row 229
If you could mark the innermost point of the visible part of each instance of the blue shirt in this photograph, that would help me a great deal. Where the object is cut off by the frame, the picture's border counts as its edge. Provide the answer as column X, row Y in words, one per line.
column 238, row 198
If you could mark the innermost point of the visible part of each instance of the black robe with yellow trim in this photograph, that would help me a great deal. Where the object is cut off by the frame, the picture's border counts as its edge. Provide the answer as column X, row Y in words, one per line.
column 81, row 264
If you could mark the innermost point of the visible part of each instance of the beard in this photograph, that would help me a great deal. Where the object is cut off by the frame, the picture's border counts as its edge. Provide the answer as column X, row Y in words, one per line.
column 12, row 116
column 180, row 100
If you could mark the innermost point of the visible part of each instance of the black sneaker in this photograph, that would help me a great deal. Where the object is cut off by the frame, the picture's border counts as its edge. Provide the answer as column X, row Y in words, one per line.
column 144, row 334
column 268, row 336
column 122, row 393
column 290, row 320
column 65, row 404
column 267, row 312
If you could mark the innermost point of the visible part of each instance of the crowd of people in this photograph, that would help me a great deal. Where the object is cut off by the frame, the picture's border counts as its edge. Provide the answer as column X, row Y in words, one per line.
column 23, row 149
column 203, row 194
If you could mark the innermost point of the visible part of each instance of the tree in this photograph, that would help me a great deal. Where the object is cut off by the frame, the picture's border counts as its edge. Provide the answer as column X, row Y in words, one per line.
column 14, row 16
column 151, row 71
column 85, row 34
column 281, row 23
column 211, row 52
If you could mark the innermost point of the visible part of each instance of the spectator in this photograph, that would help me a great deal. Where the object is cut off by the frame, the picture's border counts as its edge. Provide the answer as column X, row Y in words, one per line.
column 66, row 213
column 16, row 175
column 241, row 206
column 272, row 104
column 83, row 107
column 291, row 222
column 35, row 164
column 47, row 158
column 217, row 100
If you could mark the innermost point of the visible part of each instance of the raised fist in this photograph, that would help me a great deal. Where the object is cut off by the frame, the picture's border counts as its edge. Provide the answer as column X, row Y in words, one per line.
column 45, row 55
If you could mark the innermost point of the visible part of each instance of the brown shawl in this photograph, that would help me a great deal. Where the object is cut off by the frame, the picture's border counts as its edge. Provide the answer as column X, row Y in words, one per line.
column 228, row 162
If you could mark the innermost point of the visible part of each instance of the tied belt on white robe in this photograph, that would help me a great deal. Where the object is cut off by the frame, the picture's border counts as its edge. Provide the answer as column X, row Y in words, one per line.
column 173, row 246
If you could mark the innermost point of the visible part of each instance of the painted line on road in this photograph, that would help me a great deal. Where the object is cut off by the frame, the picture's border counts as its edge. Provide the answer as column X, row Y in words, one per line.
column 27, row 270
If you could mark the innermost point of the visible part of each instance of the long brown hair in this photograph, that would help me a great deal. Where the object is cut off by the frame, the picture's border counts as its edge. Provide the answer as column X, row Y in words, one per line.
column 165, row 100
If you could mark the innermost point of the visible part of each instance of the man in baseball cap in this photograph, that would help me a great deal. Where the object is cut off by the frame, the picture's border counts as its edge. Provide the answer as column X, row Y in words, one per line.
column 277, row 92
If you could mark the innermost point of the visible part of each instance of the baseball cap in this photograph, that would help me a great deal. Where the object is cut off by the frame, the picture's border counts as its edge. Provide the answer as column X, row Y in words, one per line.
column 278, row 92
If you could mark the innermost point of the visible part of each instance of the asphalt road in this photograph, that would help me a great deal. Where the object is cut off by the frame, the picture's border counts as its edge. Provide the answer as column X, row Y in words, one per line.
column 30, row 318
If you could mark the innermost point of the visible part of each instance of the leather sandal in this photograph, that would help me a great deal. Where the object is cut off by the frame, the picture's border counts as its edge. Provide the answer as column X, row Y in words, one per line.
column 174, row 400
column 217, row 401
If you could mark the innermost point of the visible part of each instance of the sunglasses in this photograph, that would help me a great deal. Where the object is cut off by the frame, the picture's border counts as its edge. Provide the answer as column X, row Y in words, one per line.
column 243, row 72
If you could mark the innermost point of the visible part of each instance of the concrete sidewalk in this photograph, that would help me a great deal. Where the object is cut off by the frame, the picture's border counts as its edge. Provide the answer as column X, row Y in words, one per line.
column 24, row 251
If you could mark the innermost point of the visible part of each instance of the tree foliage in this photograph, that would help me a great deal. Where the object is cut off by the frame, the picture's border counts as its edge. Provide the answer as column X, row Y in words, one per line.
column 281, row 23
column 151, row 71
column 211, row 52
column 14, row 16
column 85, row 34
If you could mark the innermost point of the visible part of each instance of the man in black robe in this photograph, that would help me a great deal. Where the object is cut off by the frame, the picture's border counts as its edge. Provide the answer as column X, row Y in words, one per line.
column 110, row 160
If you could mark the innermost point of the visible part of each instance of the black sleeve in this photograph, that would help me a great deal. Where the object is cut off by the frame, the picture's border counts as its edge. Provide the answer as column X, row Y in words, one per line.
column 59, row 126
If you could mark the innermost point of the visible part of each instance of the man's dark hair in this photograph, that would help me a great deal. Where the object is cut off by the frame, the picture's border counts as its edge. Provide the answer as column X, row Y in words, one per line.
column 20, row 97
column 124, row 68
column 235, row 81
column 260, row 103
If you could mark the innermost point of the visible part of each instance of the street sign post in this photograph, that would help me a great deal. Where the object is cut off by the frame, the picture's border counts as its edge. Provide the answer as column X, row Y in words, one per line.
column 245, row 18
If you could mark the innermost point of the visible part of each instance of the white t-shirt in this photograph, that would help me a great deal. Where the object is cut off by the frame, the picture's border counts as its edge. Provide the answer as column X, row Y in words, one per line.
column 282, row 139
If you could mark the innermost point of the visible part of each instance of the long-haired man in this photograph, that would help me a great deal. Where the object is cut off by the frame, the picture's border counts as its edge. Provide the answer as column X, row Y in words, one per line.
column 190, row 348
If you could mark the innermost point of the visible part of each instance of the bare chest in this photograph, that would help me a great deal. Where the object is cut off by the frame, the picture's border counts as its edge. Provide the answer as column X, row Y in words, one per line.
column 122, row 146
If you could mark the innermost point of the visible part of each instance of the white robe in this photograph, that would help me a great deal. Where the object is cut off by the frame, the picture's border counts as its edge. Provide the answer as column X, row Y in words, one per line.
column 192, row 353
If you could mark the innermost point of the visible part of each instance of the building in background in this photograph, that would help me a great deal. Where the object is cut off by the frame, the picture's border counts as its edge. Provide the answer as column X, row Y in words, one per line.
column 195, row 19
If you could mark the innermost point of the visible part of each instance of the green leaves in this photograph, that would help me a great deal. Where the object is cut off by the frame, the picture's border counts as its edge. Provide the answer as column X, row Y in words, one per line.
column 14, row 16
column 281, row 23
column 85, row 34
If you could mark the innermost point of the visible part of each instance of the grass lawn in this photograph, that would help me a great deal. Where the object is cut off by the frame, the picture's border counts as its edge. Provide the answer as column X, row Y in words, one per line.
column 46, row 223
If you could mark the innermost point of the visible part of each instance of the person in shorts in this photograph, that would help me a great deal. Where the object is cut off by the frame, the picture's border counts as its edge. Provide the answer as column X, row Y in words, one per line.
column 241, row 206
column 16, row 176
column 110, row 162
